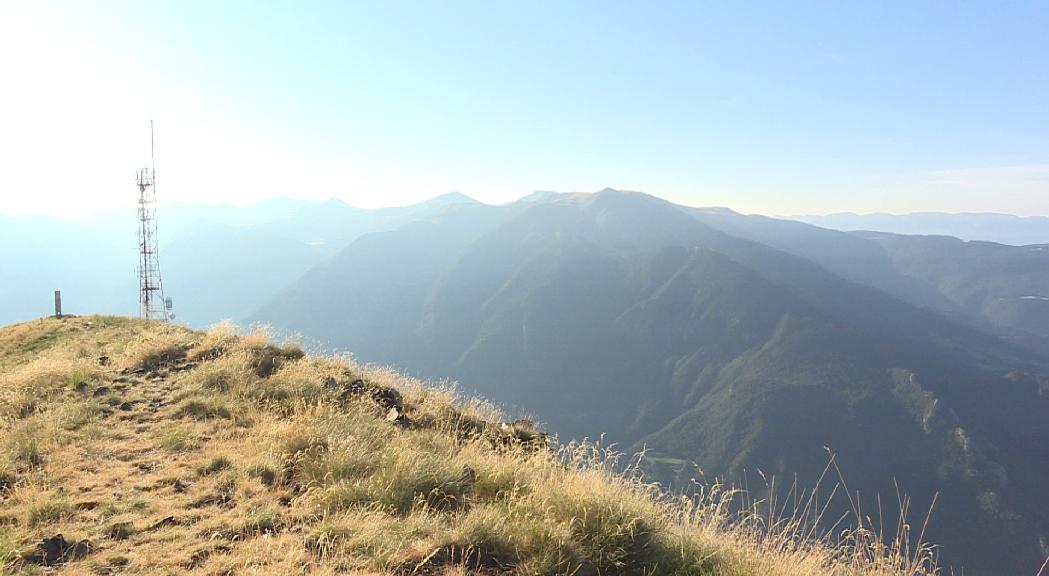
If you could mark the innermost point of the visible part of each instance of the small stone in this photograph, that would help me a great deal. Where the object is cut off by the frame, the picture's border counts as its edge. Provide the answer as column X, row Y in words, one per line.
column 523, row 424
column 197, row 559
column 387, row 397
column 469, row 476
column 101, row 391
column 395, row 416
column 346, row 390
column 169, row 521
column 121, row 530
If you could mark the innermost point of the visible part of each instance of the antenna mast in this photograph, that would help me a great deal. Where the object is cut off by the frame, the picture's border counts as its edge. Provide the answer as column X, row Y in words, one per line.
column 151, row 302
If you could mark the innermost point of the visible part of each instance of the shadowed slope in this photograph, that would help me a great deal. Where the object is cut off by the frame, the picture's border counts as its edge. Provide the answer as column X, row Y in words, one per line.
column 620, row 314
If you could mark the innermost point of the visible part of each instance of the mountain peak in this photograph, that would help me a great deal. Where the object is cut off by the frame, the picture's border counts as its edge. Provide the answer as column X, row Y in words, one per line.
column 449, row 198
column 540, row 196
column 608, row 191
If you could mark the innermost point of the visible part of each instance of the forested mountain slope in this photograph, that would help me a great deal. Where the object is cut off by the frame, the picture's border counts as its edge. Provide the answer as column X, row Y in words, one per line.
column 620, row 314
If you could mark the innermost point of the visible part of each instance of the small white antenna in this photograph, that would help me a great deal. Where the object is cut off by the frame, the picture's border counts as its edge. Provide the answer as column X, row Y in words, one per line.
column 152, row 156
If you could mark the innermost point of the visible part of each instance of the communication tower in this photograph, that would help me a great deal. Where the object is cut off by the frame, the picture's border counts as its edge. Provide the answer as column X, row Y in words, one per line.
column 151, row 302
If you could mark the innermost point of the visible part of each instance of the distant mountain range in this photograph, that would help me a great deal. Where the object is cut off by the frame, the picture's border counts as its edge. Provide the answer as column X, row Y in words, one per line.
column 1000, row 228
column 738, row 343
column 217, row 261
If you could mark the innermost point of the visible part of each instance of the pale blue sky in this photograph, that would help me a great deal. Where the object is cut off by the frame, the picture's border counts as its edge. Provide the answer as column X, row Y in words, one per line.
column 767, row 107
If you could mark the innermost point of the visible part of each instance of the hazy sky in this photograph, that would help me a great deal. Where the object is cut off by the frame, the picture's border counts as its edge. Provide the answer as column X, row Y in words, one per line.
column 778, row 107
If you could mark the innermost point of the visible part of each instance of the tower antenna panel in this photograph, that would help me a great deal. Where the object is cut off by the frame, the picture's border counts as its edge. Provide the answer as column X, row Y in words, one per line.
column 151, row 301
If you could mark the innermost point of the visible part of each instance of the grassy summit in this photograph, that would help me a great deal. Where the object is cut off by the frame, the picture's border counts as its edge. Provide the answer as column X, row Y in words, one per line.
column 141, row 448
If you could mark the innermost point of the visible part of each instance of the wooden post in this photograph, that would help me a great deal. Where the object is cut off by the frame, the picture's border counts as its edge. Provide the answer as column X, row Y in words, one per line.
column 58, row 303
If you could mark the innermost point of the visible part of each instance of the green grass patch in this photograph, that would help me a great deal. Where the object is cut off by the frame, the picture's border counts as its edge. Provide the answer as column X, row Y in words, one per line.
column 216, row 464
column 44, row 341
column 8, row 548
column 205, row 409
column 259, row 520
column 264, row 473
column 76, row 415
column 21, row 447
column 178, row 440
column 51, row 510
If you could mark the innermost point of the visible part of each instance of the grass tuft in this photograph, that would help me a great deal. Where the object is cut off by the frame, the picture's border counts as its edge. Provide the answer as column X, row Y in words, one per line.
column 259, row 520
column 49, row 509
column 204, row 409
column 217, row 464
column 178, row 440
column 8, row 548
column 158, row 348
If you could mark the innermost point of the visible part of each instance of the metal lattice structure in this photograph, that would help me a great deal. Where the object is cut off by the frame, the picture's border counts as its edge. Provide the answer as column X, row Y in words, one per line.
column 151, row 304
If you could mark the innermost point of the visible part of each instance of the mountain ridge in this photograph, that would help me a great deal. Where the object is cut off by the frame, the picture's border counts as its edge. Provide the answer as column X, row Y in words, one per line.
column 987, row 226
column 554, row 307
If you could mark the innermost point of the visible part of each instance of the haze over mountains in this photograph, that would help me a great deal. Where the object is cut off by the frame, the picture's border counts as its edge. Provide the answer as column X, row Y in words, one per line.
column 1000, row 228
column 735, row 342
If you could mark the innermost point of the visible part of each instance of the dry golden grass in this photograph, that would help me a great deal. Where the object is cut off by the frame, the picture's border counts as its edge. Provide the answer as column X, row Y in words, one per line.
column 222, row 454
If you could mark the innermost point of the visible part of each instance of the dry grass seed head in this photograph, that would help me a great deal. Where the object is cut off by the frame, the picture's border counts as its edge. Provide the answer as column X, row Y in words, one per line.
column 157, row 347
